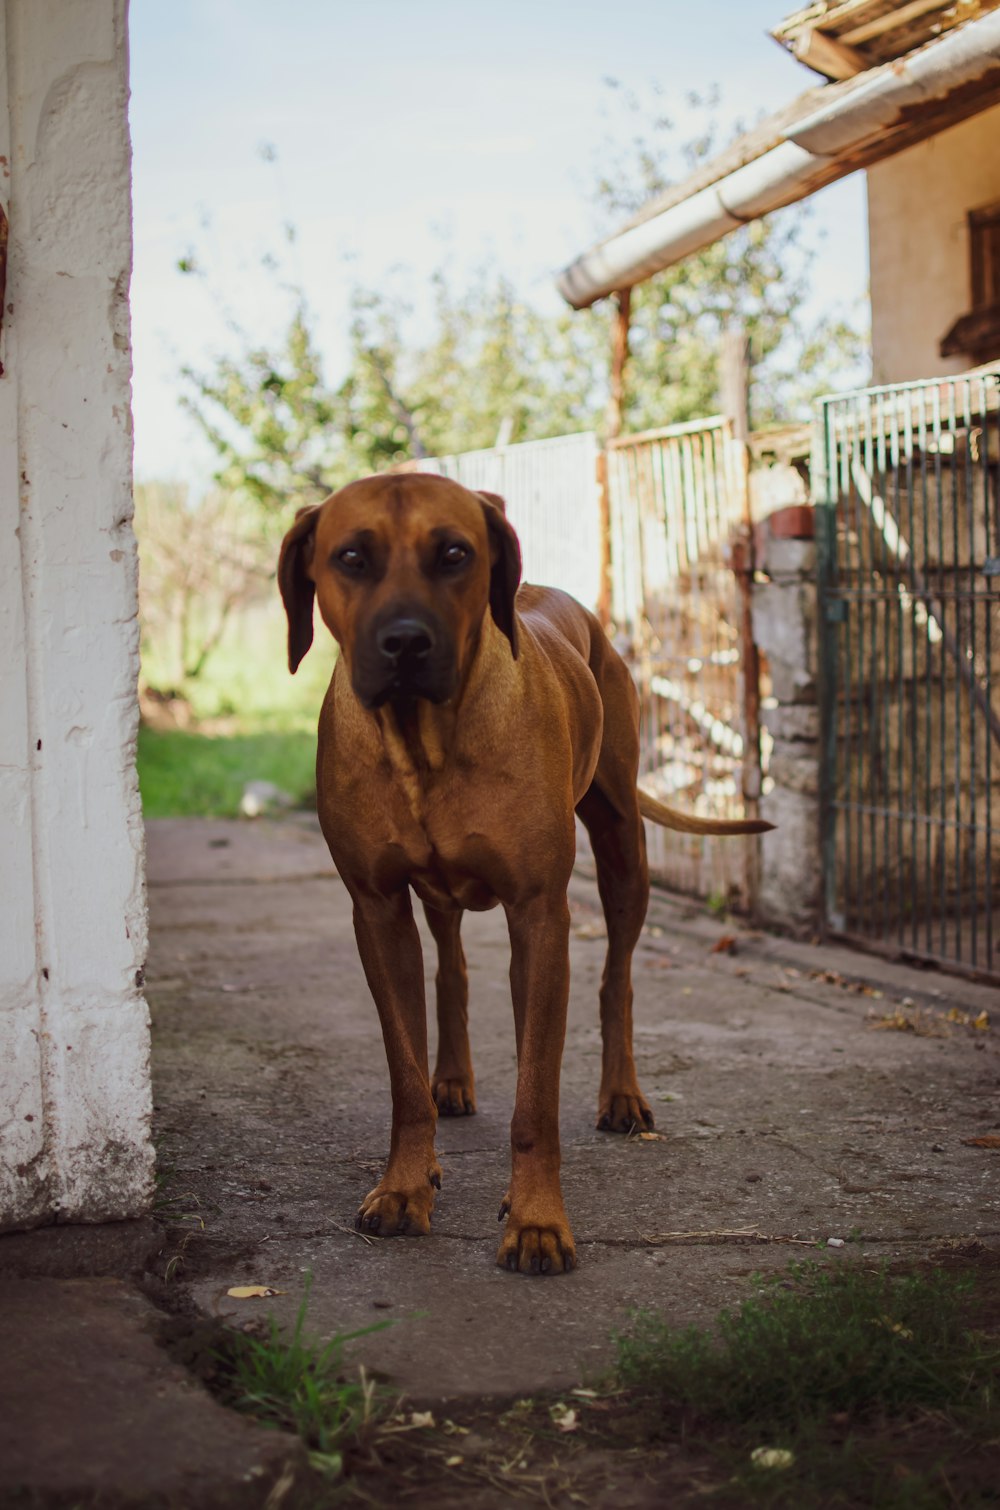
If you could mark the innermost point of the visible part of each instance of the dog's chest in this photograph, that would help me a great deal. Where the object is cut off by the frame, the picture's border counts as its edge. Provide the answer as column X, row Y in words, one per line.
column 447, row 860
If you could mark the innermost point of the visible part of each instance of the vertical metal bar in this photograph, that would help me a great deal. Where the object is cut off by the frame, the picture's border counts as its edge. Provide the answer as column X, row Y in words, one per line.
column 884, row 656
column 846, row 526
column 908, row 683
column 824, row 498
column 942, row 693
column 904, row 777
column 956, row 762
column 927, row 679
column 970, row 505
column 991, row 548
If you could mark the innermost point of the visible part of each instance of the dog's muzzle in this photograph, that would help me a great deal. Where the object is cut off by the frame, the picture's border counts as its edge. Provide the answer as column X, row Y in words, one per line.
column 405, row 654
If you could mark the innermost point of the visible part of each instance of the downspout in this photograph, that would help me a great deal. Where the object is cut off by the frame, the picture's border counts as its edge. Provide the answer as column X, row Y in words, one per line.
column 816, row 151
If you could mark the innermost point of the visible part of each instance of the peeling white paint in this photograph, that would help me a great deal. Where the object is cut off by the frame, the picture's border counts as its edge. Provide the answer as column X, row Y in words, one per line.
column 74, row 1037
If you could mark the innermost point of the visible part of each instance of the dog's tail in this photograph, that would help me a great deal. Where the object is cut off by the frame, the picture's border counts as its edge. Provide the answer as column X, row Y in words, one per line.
column 669, row 817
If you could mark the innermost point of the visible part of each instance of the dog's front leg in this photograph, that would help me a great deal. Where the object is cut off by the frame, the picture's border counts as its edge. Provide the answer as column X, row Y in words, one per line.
column 389, row 946
column 537, row 1239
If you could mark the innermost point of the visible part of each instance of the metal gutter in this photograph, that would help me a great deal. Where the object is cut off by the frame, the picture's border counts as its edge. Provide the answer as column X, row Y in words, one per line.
column 867, row 118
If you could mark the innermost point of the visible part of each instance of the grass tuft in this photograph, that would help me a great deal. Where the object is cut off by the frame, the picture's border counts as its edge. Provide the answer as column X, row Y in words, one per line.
column 302, row 1387
column 846, row 1340
column 869, row 1384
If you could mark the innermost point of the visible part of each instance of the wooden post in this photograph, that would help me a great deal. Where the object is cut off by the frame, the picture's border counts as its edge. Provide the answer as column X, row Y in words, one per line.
column 734, row 384
column 619, row 357
column 613, row 428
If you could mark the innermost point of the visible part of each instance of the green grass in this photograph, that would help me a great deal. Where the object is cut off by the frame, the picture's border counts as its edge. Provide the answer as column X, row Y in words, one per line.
column 186, row 774
column 851, row 1370
column 252, row 721
column 302, row 1387
column 839, row 1340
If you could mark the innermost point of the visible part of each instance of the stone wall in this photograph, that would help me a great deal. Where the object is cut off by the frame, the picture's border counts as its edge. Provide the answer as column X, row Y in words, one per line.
column 74, row 1074
column 785, row 629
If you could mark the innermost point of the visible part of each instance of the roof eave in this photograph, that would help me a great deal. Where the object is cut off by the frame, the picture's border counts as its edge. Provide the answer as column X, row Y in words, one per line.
column 843, row 127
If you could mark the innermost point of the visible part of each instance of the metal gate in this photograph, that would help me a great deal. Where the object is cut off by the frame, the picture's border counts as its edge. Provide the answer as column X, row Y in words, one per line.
column 678, row 503
column 907, row 481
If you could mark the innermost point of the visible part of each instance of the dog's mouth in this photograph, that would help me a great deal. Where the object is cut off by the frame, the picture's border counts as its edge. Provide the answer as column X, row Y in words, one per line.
column 406, row 654
column 433, row 681
column 404, row 690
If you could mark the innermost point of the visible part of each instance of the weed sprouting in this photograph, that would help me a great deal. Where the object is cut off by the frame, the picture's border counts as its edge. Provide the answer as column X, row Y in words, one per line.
column 849, row 1340
column 300, row 1386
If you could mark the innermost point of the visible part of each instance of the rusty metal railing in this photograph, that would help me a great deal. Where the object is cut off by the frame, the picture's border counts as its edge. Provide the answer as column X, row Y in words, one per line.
column 677, row 502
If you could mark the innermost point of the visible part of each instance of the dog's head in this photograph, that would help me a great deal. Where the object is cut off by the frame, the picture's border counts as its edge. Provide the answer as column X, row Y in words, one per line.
column 404, row 568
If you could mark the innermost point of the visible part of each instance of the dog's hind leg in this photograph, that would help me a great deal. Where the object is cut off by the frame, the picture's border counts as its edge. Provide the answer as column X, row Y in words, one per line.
column 452, row 1083
column 619, row 845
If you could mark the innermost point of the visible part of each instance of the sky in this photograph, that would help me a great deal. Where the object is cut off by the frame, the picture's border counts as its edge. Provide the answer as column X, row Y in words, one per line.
column 403, row 133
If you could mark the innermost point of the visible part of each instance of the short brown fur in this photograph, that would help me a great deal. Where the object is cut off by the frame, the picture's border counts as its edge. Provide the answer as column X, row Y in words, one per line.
column 469, row 800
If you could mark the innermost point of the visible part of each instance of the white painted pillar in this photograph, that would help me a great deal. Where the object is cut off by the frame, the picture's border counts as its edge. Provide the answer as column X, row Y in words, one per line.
column 74, row 1034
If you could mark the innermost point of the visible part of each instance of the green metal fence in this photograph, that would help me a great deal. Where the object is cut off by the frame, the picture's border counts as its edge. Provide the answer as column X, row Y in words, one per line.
column 907, row 479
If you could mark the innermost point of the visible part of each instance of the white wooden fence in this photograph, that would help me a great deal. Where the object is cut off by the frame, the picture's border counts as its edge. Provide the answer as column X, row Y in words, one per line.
column 550, row 488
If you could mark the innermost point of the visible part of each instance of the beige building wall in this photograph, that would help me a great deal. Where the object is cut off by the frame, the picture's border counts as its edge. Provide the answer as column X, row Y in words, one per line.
column 918, row 203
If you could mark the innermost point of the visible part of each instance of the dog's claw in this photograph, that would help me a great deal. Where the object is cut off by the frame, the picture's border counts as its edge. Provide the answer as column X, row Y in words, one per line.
column 624, row 1111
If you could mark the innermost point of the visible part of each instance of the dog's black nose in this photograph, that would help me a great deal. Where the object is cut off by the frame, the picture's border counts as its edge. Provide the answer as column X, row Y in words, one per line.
column 404, row 639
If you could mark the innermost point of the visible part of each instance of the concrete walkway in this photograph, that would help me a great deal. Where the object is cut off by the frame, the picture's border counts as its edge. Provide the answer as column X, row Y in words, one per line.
column 782, row 1108
column 786, row 1116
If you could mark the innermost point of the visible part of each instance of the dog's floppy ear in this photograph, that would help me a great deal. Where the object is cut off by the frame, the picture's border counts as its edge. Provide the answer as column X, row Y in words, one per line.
column 298, row 590
column 505, row 572
column 495, row 499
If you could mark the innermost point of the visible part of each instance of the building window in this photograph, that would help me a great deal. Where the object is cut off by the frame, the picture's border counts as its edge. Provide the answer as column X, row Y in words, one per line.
column 984, row 245
column 977, row 334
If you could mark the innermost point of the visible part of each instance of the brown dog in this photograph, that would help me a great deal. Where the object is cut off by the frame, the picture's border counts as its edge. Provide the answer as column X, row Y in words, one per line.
column 466, row 722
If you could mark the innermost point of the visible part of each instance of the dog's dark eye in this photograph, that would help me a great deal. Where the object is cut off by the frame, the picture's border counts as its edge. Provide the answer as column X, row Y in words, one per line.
column 453, row 555
column 351, row 560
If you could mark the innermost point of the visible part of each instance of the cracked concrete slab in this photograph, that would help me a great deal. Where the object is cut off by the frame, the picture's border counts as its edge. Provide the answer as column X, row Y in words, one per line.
column 92, row 1410
column 786, row 1116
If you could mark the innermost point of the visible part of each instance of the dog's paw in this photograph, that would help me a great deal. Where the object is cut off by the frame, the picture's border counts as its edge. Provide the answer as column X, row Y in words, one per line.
column 391, row 1211
column 624, row 1112
column 536, row 1247
column 454, row 1096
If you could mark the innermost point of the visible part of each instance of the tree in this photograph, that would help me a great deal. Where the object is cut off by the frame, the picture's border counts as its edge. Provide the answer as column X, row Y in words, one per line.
column 493, row 365
column 199, row 563
column 756, row 278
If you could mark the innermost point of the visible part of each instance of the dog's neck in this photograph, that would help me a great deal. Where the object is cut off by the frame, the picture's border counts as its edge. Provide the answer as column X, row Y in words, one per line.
column 420, row 737
column 417, row 734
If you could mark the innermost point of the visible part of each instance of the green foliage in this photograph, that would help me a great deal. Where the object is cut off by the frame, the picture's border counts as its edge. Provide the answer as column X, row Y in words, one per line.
column 271, row 421
column 493, row 365
column 183, row 774
column 756, row 279
column 200, row 563
column 838, row 1340
column 301, row 1386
